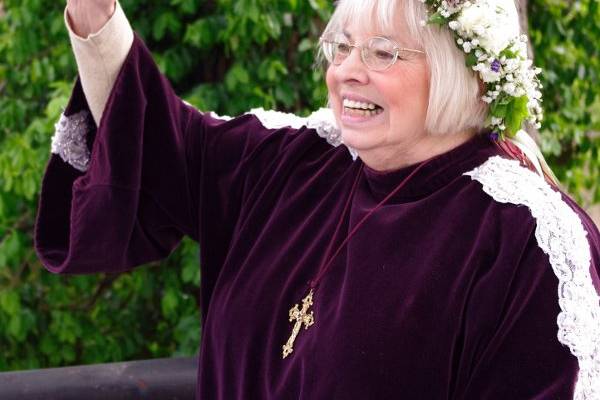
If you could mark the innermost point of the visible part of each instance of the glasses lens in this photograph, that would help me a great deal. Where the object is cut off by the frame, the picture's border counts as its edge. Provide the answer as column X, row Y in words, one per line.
column 379, row 53
column 336, row 47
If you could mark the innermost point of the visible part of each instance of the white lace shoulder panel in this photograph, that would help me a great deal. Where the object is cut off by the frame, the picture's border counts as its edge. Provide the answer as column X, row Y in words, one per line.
column 322, row 121
column 69, row 139
column 210, row 113
column 561, row 235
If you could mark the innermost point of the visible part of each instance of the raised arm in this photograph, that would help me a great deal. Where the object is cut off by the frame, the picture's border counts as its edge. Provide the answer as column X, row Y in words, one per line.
column 101, row 38
column 123, row 191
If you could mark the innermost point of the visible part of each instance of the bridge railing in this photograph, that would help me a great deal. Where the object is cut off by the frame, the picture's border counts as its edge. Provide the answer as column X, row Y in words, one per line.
column 166, row 378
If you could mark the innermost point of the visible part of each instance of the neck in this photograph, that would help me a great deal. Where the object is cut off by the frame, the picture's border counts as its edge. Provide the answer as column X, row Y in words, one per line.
column 412, row 151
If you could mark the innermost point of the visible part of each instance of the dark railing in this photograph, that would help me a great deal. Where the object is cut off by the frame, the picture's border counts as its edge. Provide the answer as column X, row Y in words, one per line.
column 167, row 378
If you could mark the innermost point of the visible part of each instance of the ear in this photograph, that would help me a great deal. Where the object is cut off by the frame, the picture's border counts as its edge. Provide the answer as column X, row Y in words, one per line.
column 481, row 87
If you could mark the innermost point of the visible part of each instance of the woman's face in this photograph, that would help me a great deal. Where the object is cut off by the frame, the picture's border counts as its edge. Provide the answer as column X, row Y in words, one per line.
column 402, row 91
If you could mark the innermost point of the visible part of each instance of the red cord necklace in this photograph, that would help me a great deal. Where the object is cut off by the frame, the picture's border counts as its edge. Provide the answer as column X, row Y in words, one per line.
column 301, row 315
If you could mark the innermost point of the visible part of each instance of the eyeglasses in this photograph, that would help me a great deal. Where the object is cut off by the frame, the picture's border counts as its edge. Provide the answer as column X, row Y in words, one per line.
column 378, row 53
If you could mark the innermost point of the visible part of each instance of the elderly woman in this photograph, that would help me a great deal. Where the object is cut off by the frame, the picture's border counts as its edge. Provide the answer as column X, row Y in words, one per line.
column 407, row 242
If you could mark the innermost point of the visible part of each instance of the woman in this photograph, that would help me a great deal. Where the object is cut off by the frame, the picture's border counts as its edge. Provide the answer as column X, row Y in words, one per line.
column 417, row 259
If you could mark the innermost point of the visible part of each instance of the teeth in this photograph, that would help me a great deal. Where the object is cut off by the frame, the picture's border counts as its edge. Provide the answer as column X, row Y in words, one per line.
column 358, row 104
column 361, row 113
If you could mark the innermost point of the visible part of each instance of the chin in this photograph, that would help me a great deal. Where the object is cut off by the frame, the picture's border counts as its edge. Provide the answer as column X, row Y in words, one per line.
column 359, row 140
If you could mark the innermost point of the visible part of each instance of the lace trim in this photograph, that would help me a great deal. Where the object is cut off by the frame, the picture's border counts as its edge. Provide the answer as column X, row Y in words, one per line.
column 69, row 139
column 211, row 113
column 560, row 234
column 321, row 121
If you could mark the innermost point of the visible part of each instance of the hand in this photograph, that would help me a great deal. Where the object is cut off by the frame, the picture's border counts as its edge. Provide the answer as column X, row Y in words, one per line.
column 89, row 16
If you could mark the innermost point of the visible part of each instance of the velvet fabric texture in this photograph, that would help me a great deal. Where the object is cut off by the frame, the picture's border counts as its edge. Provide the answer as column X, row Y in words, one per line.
column 443, row 293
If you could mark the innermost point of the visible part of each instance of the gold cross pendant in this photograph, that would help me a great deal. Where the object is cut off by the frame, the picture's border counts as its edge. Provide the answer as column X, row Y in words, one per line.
column 301, row 317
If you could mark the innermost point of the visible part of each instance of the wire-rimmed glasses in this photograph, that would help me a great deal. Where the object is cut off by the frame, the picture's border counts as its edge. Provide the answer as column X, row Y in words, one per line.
column 378, row 53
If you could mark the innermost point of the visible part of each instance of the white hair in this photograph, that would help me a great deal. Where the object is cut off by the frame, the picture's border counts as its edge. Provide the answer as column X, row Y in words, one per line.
column 455, row 103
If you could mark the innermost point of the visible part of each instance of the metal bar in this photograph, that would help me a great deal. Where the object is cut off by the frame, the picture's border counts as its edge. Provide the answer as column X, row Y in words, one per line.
column 166, row 378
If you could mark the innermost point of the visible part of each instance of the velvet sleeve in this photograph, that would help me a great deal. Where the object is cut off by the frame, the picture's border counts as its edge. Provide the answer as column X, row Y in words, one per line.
column 132, row 203
column 152, row 157
column 530, row 323
column 510, row 346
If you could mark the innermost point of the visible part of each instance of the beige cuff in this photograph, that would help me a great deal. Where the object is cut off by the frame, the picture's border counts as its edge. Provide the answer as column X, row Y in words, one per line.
column 100, row 57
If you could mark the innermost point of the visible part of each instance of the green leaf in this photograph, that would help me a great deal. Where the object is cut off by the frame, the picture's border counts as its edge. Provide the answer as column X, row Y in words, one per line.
column 169, row 303
column 236, row 76
column 508, row 53
column 15, row 328
column 10, row 302
column 167, row 22
column 471, row 59
column 499, row 110
column 437, row 19
column 190, row 273
column 306, row 44
column 515, row 115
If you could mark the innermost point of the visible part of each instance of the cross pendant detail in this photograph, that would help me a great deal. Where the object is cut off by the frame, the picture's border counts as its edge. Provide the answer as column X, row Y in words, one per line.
column 302, row 317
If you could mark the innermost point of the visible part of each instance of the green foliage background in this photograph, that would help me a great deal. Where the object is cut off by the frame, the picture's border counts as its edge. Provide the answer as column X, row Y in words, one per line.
column 221, row 55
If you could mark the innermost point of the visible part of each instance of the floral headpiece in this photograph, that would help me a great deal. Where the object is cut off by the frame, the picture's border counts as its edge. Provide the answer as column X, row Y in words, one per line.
column 488, row 32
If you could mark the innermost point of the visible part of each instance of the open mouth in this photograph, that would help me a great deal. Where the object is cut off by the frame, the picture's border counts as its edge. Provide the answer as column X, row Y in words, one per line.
column 361, row 109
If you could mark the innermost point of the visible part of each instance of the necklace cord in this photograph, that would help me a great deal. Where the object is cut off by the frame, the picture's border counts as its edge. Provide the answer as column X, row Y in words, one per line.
column 314, row 282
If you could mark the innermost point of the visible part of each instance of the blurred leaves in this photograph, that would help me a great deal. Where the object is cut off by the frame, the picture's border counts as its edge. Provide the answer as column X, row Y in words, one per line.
column 565, row 37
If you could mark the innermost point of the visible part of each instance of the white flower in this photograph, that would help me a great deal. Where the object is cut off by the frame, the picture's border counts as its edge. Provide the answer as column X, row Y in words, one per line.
column 495, row 23
column 489, row 27
column 496, row 121
column 454, row 25
column 472, row 17
column 509, row 88
column 519, row 91
column 487, row 75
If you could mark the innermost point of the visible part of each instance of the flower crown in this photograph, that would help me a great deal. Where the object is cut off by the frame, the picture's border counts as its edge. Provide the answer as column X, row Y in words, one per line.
column 488, row 32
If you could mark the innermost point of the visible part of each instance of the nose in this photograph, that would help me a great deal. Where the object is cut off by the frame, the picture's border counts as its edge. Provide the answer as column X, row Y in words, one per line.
column 352, row 69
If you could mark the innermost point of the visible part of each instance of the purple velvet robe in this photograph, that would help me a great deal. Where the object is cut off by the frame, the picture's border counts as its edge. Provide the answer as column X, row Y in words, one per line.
column 442, row 293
